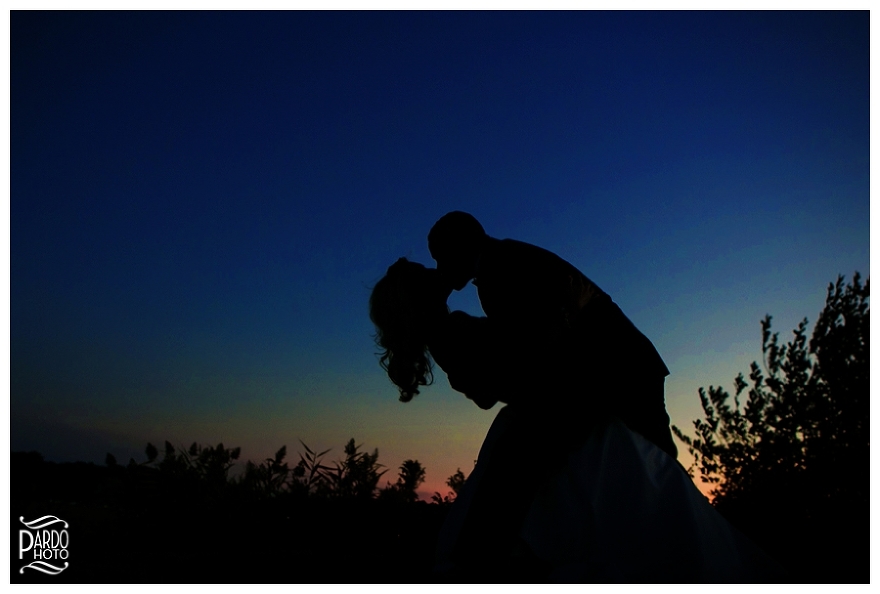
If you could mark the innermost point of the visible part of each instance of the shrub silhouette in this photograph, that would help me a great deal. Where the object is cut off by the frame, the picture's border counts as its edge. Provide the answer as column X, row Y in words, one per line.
column 271, row 478
column 411, row 476
column 791, row 467
column 273, row 523
column 356, row 476
column 454, row 482
column 309, row 473
column 209, row 464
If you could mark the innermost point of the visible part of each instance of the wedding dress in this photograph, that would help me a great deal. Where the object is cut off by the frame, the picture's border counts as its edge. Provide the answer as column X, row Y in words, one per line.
column 563, row 490
column 618, row 510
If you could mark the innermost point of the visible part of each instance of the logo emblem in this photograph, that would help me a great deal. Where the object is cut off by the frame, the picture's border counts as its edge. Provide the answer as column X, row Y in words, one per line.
column 47, row 546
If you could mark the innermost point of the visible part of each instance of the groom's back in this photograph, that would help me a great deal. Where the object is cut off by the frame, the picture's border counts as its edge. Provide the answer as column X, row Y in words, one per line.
column 528, row 287
column 518, row 281
column 539, row 298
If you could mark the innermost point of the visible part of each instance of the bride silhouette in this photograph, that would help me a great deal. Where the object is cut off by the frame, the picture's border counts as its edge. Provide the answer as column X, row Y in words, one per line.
column 563, row 489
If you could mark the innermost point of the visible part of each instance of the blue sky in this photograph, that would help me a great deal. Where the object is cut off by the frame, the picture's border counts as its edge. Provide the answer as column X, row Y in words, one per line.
column 200, row 203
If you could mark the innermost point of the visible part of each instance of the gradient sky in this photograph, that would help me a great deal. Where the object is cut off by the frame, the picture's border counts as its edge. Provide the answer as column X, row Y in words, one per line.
column 201, row 202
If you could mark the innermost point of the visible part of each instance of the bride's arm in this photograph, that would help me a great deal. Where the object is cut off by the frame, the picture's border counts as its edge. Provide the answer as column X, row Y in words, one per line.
column 481, row 362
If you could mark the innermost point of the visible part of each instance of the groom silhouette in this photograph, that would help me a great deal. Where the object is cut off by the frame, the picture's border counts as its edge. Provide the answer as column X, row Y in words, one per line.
column 541, row 300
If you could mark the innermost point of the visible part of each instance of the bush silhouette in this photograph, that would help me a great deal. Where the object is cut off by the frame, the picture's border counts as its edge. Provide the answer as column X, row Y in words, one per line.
column 410, row 477
column 354, row 477
column 791, row 466
column 192, row 522
column 271, row 478
column 454, row 482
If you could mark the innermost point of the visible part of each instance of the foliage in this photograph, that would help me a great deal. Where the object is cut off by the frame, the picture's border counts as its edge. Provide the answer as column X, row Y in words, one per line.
column 805, row 410
column 207, row 464
column 454, row 482
column 265, row 529
column 269, row 478
column 410, row 477
column 797, row 453
column 309, row 473
column 356, row 476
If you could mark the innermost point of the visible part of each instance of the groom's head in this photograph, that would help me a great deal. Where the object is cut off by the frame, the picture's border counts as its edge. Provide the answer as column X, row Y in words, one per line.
column 455, row 242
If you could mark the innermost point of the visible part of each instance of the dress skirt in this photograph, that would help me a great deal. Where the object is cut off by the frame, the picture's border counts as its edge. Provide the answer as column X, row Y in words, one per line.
column 618, row 510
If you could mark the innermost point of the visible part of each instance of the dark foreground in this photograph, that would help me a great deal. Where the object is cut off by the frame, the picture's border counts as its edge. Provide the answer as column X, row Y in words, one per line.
column 137, row 525
column 133, row 527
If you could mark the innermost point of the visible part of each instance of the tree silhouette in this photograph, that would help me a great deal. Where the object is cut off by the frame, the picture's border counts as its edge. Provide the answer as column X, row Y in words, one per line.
column 454, row 482
column 791, row 466
column 410, row 477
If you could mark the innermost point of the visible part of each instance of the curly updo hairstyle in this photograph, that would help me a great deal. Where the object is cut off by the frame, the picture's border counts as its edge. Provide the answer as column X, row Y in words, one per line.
column 399, row 310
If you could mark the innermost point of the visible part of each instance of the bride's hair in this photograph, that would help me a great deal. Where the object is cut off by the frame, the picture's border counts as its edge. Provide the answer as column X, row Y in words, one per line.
column 399, row 308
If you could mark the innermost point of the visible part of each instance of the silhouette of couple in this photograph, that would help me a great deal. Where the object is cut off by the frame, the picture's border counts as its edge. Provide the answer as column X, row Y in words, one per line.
column 577, row 479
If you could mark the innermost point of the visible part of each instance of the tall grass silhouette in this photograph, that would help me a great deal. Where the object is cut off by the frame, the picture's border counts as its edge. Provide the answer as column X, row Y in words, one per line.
column 180, row 515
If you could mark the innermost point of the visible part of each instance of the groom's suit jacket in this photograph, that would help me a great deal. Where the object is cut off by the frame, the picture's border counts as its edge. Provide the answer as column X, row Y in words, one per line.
column 555, row 318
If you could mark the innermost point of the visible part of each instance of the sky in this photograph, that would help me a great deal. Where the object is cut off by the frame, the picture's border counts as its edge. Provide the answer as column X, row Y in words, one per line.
column 200, row 203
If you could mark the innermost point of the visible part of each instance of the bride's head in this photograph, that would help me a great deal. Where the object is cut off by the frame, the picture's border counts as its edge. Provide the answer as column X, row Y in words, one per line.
column 404, row 305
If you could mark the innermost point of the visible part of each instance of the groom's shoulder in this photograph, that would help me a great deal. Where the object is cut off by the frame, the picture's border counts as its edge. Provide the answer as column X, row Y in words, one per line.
column 511, row 256
column 504, row 253
column 514, row 248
